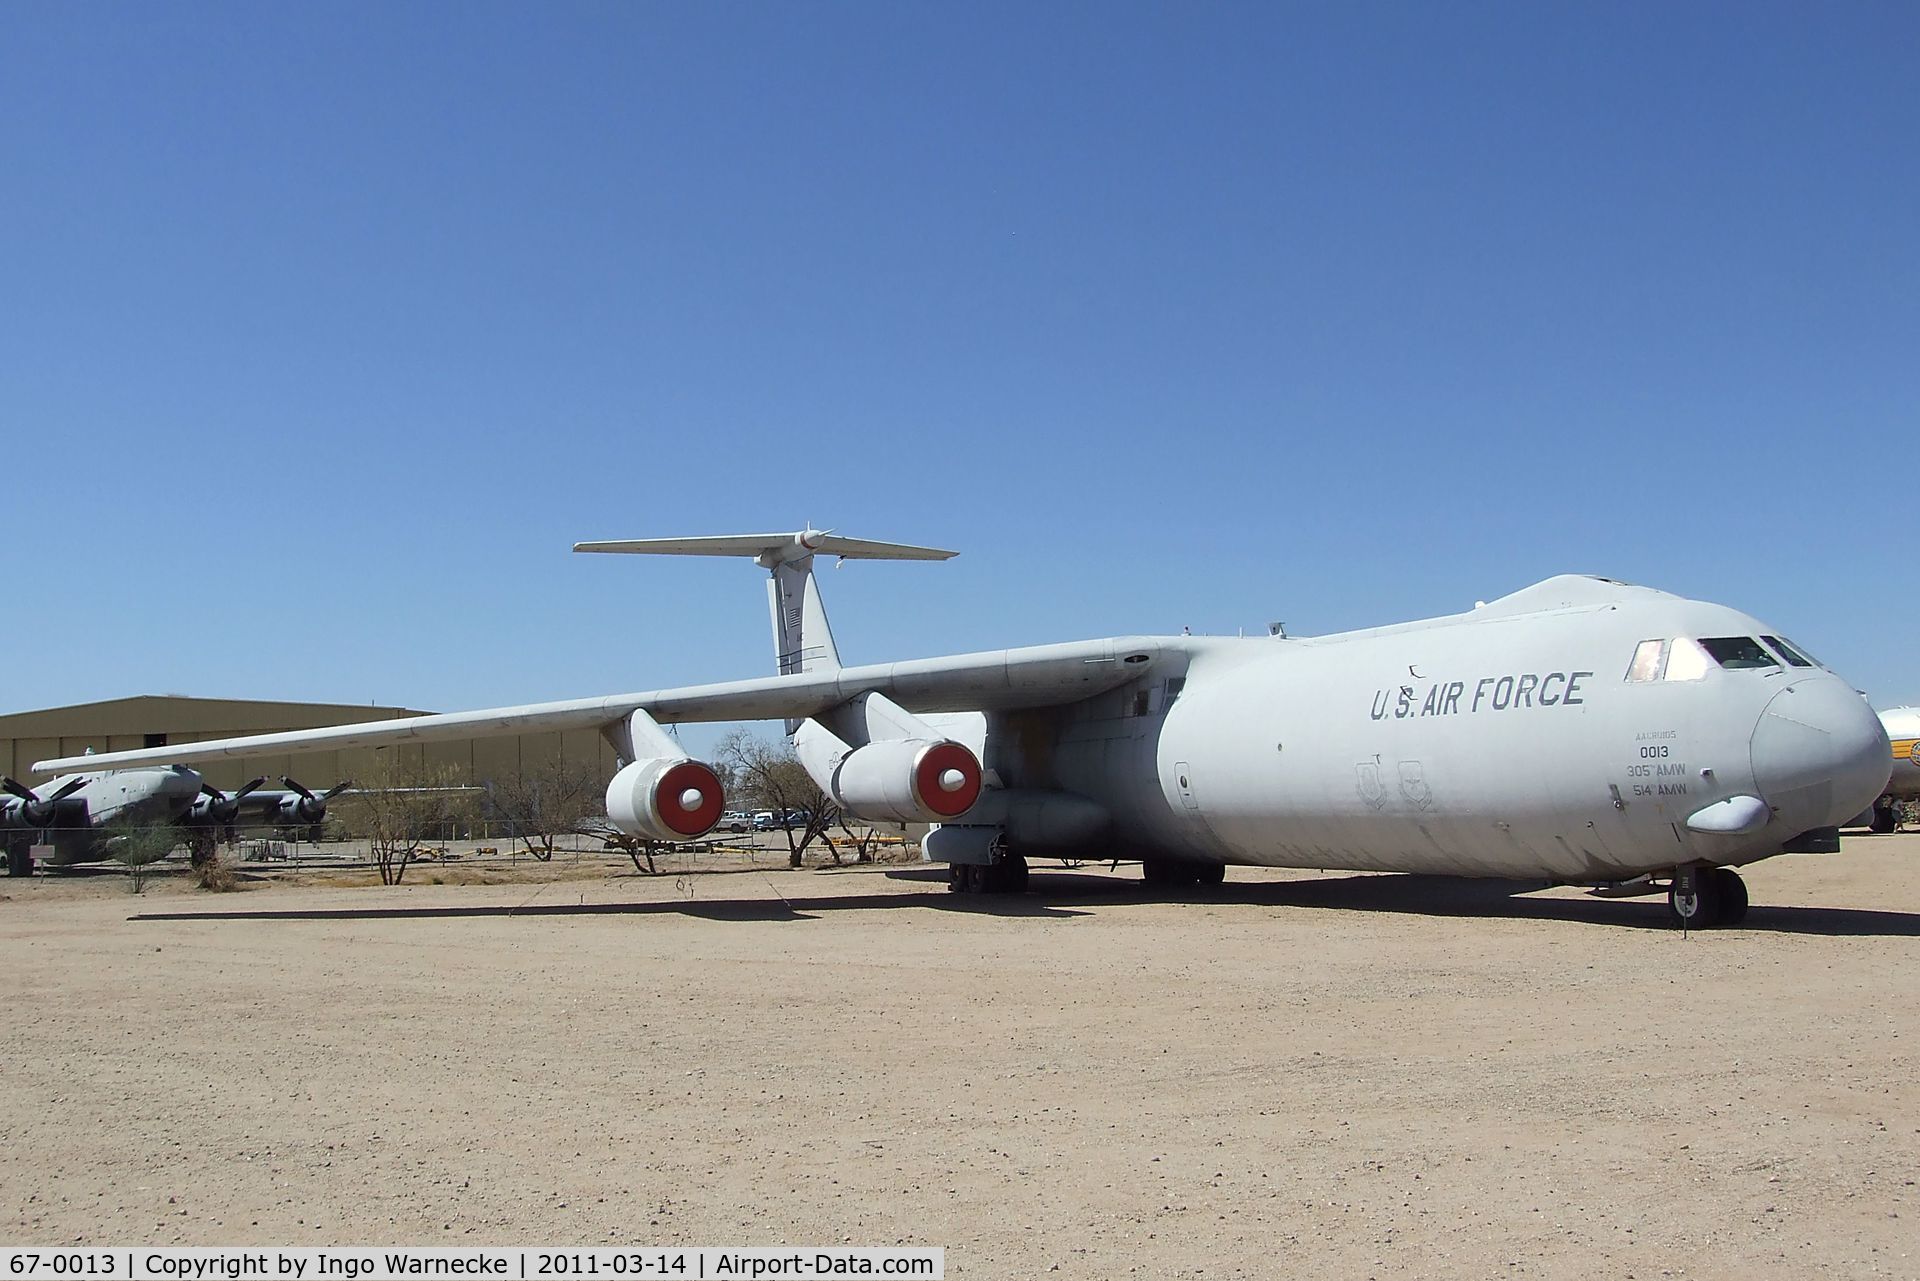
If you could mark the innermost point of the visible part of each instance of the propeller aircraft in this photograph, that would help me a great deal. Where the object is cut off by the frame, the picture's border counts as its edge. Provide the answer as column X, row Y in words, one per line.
column 81, row 815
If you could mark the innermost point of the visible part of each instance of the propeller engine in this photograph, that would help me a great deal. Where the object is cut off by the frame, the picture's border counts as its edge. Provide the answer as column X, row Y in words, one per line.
column 26, row 808
column 216, row 809
column 304, row 809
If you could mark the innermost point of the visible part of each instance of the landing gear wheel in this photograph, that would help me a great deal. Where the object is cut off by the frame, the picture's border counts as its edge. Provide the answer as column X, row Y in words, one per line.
column 1158, row 871
column 1732, row 892
column 1885, row 820
column 1694, row 898
column 19, row 860
column 1008, row 876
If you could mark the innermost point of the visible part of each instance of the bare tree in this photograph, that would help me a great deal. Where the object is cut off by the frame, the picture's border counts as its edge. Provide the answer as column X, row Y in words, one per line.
column 405, row 808
column 862, row 840
column 771, row 777
column 601, row 829
column 552, row 799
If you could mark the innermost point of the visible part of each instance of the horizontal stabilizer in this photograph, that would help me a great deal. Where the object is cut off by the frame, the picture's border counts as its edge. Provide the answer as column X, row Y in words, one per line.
column 771, row 549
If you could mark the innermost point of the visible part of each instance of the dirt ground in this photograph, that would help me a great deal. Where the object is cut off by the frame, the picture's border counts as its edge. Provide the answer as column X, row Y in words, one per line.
column 1298, row 1074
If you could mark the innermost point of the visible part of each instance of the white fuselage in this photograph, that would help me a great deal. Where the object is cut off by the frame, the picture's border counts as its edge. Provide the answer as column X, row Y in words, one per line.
column 80, row 833
column 1505, row 742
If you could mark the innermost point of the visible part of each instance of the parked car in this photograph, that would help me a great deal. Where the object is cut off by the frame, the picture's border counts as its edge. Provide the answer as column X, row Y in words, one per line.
column 769, row 820
column 736, row 820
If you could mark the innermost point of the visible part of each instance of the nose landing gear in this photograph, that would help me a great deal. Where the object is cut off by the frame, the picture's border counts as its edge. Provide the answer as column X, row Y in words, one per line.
column 1704, row 897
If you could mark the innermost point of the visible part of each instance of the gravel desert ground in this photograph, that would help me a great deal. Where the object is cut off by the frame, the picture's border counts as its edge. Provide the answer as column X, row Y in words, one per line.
column 1298, row 1074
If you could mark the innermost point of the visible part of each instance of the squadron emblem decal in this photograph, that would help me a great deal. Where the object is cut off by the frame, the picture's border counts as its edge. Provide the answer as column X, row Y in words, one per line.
column 1372, row 791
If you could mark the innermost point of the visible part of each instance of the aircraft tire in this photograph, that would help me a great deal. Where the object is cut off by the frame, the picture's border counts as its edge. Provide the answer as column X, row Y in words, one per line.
column 19, row 860
column 1010, row 875
column 1732, row 893
column 1705, row 905
column 1156, row 871
column 1170, row 871
column 1883, row 820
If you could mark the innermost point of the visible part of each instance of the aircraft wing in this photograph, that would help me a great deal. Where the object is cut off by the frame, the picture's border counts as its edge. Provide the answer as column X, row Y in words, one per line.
column 1036, row 676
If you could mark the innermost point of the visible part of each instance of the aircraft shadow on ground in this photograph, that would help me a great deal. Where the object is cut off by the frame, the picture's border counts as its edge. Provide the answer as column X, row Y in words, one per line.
column 1066, row 894
column 792, row 908
column 1445, row 896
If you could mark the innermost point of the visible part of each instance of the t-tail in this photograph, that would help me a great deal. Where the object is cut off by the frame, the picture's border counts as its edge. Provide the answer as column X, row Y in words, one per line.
column 802, row 637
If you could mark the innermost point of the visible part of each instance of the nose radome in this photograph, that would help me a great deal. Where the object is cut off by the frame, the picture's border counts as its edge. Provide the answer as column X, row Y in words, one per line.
column 1820, row 755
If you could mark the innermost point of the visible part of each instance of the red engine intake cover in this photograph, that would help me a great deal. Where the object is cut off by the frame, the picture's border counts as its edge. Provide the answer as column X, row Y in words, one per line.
column 933, row 766
column 688, row 820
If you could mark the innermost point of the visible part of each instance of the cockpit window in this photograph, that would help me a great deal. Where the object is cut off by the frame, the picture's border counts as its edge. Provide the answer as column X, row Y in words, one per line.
column 1793, row 656
column 1686, row 661
column 1737, row 653
column 1649, row 660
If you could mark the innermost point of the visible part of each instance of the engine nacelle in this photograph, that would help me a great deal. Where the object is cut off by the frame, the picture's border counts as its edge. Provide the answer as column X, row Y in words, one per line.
column 298, row 811
column 667, row 799
column 207, row 814
column 907, row 780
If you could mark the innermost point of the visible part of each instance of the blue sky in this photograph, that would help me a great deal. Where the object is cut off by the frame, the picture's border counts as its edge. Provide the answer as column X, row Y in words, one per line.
column 326, row 330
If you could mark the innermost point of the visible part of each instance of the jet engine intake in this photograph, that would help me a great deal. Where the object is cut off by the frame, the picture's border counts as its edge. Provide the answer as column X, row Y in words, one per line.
column 907, row 780
column 665, row 799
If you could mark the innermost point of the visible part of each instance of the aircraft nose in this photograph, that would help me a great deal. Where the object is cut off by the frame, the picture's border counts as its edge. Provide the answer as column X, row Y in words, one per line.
column 1820, row 755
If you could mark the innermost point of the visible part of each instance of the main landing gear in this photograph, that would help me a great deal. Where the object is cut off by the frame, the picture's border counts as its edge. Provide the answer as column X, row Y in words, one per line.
column 19, row 858
column 1159, row 871
column 1703, row 897
column 1006, row 875
column 1885, row 818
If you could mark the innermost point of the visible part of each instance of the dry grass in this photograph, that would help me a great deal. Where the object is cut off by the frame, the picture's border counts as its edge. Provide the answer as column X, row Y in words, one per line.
column 216, row 875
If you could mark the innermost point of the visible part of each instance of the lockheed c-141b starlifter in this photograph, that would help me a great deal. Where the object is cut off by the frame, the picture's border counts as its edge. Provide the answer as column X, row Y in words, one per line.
column 1580, row 731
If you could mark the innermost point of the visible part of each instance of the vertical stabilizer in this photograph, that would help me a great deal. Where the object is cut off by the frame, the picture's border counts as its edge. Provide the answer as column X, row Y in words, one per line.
column 802, row 637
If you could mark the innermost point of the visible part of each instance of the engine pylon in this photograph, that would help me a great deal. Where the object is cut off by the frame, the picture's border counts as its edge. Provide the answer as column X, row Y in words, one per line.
column 881, row 763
